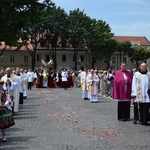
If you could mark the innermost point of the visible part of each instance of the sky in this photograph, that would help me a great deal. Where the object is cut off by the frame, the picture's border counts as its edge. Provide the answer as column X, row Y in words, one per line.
column 125, row 17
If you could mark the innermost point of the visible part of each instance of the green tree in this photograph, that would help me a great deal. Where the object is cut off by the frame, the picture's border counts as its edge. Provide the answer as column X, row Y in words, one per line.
column 124, row 48
column 13, row 16
column 90, row 38
column 32, row 29
column 108, row 48
column 20, row 19
column 55, row 25
column 98, row 36
column 139, row 54
column 77, row 22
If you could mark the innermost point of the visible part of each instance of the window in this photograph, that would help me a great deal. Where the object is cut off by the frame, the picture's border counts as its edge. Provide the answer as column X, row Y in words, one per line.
column 105, row 61
column 38, row 57
column 12, row 58
column 25, row 58
column 114, row 60
column 82, row 58
column 47, row 58
column 63, row 58
column 125, row 59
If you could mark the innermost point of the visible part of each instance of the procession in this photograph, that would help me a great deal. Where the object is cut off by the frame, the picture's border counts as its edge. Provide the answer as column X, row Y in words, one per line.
column 125, row 86
column 74, row 75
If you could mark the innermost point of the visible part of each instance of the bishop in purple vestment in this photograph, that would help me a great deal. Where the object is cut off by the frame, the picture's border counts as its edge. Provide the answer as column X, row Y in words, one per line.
column 122, row 91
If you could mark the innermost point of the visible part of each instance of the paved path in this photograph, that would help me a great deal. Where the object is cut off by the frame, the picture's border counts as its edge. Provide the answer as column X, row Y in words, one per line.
column 58, row 119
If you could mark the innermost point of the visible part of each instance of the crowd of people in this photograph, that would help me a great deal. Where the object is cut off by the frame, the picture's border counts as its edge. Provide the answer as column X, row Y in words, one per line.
column 123, row 85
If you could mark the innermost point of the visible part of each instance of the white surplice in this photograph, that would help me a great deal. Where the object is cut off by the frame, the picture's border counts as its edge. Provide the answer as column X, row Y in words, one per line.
column 25, row 84
column 92, row 83
column 140, row 87
column 83, row 76
column 14, row 88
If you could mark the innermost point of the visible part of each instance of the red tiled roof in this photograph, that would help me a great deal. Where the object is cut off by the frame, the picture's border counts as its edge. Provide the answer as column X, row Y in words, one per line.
column 139, row 39
column 23, row 48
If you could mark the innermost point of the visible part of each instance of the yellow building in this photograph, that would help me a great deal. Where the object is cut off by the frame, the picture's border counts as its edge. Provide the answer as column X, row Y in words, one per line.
column 14, row 58
column 65, row 56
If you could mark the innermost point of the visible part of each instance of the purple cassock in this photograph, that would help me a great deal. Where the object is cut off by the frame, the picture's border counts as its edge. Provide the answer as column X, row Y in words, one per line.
column 122, row 92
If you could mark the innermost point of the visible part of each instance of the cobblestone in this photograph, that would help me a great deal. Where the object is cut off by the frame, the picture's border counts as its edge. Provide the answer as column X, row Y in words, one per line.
column 58, row 119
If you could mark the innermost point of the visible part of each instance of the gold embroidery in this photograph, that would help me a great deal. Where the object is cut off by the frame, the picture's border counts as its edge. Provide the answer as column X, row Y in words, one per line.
column 139, row 92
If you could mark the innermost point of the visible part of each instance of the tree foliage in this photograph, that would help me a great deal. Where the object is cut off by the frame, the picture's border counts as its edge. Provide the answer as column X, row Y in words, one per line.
column 124, row 48
column 31, row 30
column 102, row 36
column 14, row 15
column 139, row 54
column 109, row 47
column 47, row 24
column 77, row 30
column 54, row 29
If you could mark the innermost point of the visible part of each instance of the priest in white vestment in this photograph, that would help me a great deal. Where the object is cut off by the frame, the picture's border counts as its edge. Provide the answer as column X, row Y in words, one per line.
column 140, row 92
column 11, row 84
column 25, row 83
column 20, row 85
column 92, row 82
column 30, row 76
column 83, row 77
column 64, row 75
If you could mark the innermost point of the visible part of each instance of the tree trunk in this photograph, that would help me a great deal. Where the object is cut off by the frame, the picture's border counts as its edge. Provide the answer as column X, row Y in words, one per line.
column 75, row 57
column 92, row 60
column 108, row 65
column 34, row 57
column 108, row 62
column 33, row 63
column 55, row 66
column 120, row 56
